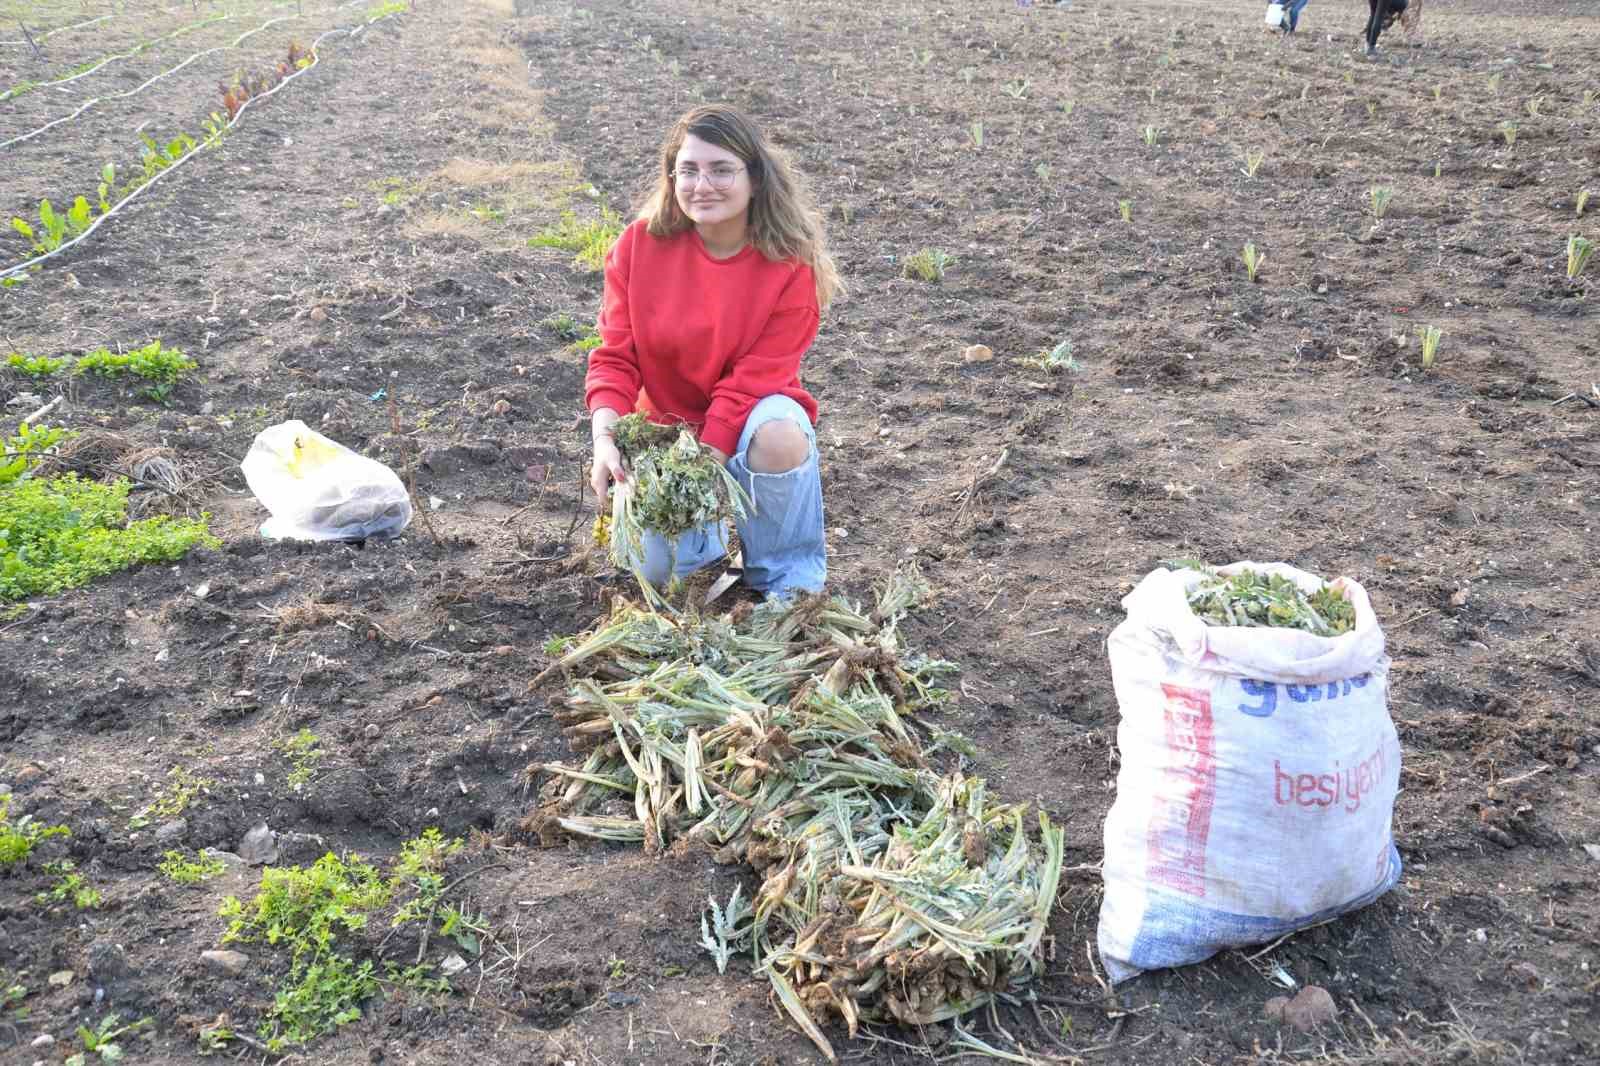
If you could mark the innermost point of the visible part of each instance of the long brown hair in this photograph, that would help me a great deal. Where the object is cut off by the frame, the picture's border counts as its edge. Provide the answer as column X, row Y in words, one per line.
column 784, row 221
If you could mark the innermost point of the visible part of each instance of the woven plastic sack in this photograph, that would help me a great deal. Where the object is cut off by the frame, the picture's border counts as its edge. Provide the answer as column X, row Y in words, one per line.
column 317, row 489
column 1258, row 778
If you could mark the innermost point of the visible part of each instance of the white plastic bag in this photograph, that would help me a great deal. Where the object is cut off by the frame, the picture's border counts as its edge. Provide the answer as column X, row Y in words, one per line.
column 1275, row 15
column 317, row 489
column 1258, row 779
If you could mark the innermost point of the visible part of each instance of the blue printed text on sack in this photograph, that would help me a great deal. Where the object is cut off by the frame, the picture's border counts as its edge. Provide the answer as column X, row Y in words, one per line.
column 1263, row 695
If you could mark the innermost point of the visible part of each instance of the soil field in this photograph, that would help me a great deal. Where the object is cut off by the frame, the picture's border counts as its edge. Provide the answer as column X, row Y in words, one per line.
column 354, row 254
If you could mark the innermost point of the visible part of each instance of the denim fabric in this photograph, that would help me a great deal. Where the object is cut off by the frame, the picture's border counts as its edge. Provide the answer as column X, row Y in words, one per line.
column 784, row 546
column 1291, row 15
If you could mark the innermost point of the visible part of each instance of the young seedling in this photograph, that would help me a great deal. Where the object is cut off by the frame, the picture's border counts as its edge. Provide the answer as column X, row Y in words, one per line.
column 1057, row 358
column 728, row 927
column 927, row 265
column 1042, row 172
column 1253, row 158
column 1067, row 107
column 1150, row 136
column 1372, row 109
column 40, row 367
column 1381, row 195
column 966, row 74
column 975, row 133
column 1438, row 93
column 100, row 1042
column 1494, row 82
column 1125, row 209
column 1508, row 130
column 1253, row 261
column 1583, row 200
column 1579, row 249
column 1152, row 93
column 1018, row 89
column 1430, row 336
column 1533, row 106
column 1438, row 168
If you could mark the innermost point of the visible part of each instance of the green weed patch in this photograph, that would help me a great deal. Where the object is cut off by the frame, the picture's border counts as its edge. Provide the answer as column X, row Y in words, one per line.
column 62, row 532
column 36, row 367
column 160, row 367
column 17, row 839
column 590, row 240
column 315, row 913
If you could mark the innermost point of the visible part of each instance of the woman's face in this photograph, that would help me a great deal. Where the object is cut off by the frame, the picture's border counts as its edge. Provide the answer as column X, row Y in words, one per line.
column 700, row 168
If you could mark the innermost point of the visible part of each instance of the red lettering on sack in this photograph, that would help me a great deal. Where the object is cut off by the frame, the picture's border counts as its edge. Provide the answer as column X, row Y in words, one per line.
column 1343, row 786
column 1180, row 820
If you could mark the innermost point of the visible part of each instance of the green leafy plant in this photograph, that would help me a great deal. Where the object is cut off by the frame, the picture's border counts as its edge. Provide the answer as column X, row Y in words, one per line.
column 390, row 7
column 69, row 885
column 1053, row 359
column 588, row 342
column 215, row 1039
column 1380, row 196
column 183, row 871
column 966, row 74
column 12, row 993
column 1253, row 261
column 1438, row 93
column 1430, row 337
column 1253, row 158
column 1508, row 130
column 63, row 532
column 173, row 798
column 101, row 1041
column 1125, row 210
column 304, row 752
column 1494, row 82
column 1579, row 249
column 1068, row 106
column 161, row 367
column 556, row 645
column 590, row 240
column 306, row 910
column 1581, row 202
column 40, row 367
column 1042, row 172
column 25, row 449
column 54, row 226
column 975, row 134
column 17, row 839
column 1017, row 89
column 1150, row 136
column 729, row 926
column 1533, row 106
column 929, row 264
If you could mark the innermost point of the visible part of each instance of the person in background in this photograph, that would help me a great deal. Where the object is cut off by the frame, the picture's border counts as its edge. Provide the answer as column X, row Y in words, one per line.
column 1383, row 13
column 712, row 297
column 1291, row 15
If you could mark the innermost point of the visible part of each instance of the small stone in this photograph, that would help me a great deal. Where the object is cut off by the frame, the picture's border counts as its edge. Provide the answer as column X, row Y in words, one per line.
column 318, row 314
column 372, row 731
column 1593, row 850
column 259, row 846
column 452, row 964
column 1311, row 1007
column 621, row 999
column 208, row 407
column 43, row 1040
column 978, row 353
column 232, row 963
column 172, row 832
column 226, row 858
column 504, row 649
column 501, row 407
column 163, row 655
column 61, row 978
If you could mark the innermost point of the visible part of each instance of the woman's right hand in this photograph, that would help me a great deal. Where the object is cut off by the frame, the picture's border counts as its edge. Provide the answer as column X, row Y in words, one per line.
column 606, row 469
column 607, row 465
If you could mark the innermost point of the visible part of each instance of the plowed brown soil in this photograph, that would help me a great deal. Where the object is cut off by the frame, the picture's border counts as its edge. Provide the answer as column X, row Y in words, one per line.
column 361, row 236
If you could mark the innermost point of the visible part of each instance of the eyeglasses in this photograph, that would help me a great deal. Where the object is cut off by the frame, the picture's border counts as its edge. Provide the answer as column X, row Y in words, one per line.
column 719, row 177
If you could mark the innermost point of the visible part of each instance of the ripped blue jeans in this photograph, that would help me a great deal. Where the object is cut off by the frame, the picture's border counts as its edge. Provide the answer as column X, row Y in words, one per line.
column 784, row 547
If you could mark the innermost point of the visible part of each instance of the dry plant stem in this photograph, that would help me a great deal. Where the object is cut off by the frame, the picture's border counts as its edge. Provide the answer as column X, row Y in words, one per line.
column 396, row 429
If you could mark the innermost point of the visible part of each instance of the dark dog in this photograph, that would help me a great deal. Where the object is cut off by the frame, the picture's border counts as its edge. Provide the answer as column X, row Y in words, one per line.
column 1382, row 16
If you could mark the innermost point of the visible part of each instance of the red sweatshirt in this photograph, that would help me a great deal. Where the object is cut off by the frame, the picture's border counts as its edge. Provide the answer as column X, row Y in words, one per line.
column 686, row 337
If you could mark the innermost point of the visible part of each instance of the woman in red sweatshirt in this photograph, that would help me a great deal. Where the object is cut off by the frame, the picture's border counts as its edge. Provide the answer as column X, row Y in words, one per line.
column 711, row 299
